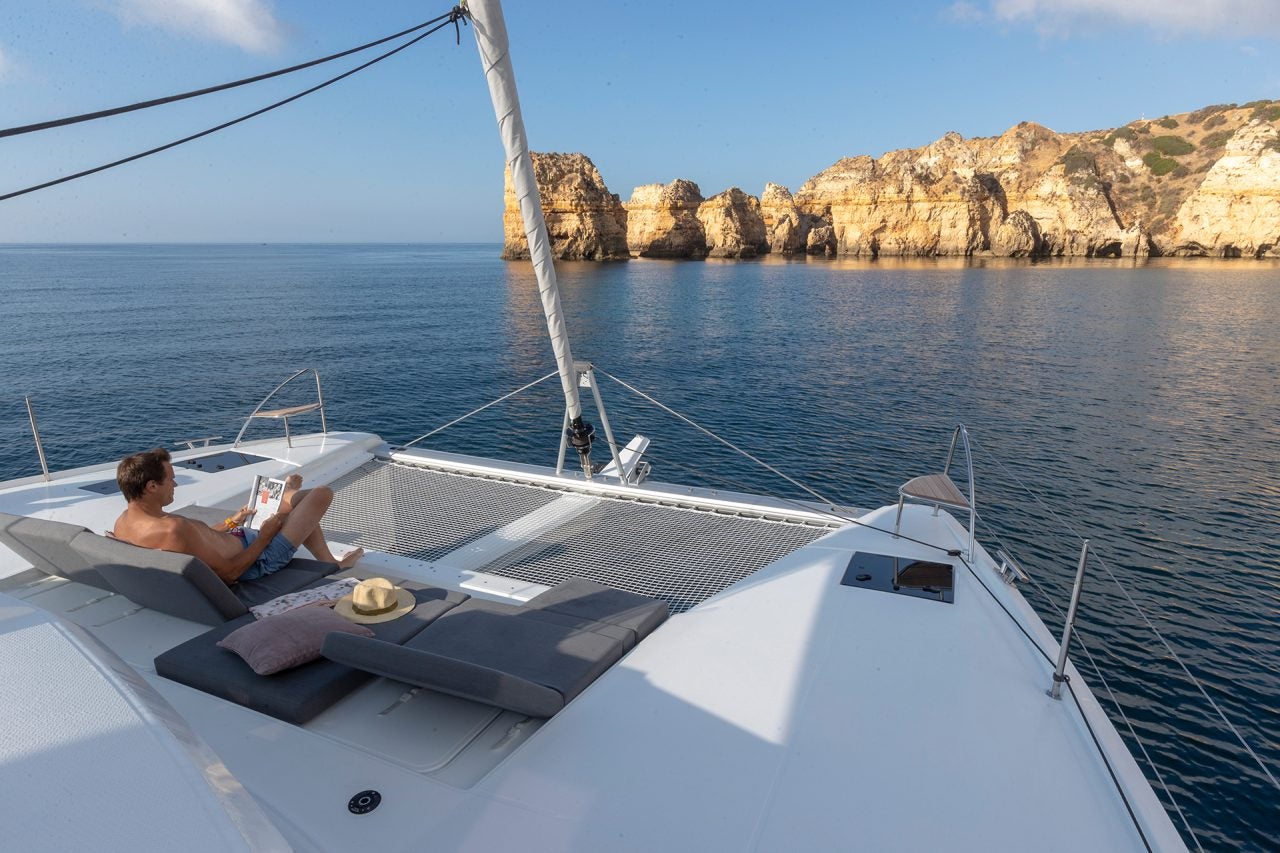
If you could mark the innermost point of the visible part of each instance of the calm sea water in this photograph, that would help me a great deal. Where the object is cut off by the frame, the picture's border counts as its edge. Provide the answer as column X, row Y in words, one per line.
column 1138, row 403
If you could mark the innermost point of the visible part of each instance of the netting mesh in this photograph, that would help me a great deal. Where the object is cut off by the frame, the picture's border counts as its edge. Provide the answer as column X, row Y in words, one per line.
column 423, row 513
column 678, row 554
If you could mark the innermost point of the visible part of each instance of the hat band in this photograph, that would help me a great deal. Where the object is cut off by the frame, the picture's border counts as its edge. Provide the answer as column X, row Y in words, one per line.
column 375, row 611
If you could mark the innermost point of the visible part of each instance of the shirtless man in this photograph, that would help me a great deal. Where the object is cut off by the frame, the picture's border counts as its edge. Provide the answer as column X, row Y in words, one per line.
column 233, row 552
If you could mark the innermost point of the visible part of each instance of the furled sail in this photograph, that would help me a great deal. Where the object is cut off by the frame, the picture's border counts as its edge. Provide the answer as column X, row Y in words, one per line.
column 491, row 39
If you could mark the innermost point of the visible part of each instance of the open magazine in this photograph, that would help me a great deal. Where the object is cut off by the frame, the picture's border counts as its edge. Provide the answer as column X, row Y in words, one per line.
column 264, row 500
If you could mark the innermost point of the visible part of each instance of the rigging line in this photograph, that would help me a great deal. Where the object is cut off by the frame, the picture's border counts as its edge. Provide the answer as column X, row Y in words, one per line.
column 747, row 488
column 1106, row 762
column 830, row 509
column 1102, row 753
column 1147, row 621
column 1134, row 734
column 479, row 410
column 227, row 124
column 1097, row 670
column 155, row 102
column 711, row 434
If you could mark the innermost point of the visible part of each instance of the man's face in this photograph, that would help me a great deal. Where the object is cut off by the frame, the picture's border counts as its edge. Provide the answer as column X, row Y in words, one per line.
column 166, row 487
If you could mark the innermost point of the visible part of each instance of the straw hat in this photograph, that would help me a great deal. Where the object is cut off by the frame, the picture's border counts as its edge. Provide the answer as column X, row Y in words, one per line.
column 375, row 600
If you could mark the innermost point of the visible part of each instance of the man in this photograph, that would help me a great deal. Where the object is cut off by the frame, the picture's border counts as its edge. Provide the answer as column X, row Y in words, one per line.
column 234, row 552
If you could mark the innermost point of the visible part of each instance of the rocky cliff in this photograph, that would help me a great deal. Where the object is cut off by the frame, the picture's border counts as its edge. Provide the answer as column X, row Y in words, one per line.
column 584, row 220
column 1199, row 183
column 662, row 221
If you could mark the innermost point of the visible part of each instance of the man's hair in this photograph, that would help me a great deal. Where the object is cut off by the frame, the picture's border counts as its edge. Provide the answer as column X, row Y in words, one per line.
column 134, row 472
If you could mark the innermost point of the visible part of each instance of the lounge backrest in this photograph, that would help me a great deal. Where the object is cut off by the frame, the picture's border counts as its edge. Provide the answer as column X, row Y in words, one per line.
column 46, row 545
column 172, row 583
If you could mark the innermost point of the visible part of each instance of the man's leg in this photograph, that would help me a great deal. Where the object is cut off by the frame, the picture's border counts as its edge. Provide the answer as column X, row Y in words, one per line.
column 302, row 525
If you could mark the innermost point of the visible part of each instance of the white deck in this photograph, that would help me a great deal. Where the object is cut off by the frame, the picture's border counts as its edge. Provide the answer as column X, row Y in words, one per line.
column 788, row 712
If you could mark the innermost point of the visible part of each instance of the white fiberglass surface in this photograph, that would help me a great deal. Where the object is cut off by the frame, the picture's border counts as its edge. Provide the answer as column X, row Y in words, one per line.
column 793, row 707
column 86, row 764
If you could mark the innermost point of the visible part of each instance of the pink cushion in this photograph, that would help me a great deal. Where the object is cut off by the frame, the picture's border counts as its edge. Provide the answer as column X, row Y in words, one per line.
column 288, row 639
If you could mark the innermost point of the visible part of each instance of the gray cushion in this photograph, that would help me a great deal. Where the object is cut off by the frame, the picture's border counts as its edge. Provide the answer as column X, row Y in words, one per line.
column 298, row 573
column 182, row 585
column 46, row 545
column 491, row 653
column 177, row 584
column 590, row 601
column 298, row 694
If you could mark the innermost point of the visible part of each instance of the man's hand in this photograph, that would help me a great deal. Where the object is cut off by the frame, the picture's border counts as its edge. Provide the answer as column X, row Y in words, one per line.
column 272, row 525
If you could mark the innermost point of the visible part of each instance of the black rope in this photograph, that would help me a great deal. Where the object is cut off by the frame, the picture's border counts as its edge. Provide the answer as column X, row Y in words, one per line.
column 450, row 18
column 142, row 105
column 1083, row 717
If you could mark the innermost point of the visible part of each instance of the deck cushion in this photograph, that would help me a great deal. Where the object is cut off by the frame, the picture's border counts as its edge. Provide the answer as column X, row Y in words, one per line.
column 177, row 584
column 590, row 601
column 183, row 586
column 294, row 695
column 494, row 653
column 46, row 545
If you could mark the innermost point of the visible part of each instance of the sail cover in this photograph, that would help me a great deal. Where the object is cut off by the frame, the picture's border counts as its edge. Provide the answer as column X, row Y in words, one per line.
column 491, row 39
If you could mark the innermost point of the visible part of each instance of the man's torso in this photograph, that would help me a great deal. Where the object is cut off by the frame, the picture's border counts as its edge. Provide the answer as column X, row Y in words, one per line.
column 175, row 533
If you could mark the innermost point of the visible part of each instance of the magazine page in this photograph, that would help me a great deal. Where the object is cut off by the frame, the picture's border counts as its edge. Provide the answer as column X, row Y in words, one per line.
column 265, row 500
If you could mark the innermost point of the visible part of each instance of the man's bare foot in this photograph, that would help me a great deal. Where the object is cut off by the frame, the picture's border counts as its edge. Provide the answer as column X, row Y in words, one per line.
column 292, row 484
column 350, row 558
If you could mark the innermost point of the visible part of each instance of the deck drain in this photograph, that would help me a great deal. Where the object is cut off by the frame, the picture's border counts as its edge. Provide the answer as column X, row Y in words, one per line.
column 364, row 802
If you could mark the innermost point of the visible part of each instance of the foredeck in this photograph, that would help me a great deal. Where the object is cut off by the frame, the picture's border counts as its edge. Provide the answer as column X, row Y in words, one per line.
column 782, row 704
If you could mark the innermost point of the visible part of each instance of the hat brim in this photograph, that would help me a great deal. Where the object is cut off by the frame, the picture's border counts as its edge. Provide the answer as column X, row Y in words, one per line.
column 404, row 603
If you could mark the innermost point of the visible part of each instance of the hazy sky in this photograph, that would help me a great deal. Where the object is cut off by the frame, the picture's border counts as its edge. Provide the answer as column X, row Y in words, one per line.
column 725, row 94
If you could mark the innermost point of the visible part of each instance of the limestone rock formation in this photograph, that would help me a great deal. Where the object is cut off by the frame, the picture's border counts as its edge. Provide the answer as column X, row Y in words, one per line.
column 662, row 221
column 733, row 225
column 821, row 240
column 584, row 220
column 1199, row 183
column 1017, row 237
column 1236, row 209
column 786, row 229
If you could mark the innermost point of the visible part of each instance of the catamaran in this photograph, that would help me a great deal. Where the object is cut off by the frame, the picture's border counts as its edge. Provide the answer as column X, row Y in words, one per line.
column 589, row 660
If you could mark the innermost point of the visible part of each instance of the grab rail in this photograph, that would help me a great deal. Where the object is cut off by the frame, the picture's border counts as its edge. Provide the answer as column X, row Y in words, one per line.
column 35, row 432
column 289, row 411
column 963, row 435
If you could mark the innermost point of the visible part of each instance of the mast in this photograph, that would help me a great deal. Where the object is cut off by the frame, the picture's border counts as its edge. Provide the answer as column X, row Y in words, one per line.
column 491, row 40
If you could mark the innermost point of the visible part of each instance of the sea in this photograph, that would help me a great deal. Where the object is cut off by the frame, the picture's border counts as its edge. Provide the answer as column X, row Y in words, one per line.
column 1131, row 403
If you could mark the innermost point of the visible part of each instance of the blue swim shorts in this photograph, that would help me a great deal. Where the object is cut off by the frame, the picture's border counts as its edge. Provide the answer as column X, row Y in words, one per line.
column 274, row 558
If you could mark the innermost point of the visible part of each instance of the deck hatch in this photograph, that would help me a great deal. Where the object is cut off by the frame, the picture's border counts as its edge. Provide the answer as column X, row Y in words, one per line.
column 681, row 554
column 901, row 575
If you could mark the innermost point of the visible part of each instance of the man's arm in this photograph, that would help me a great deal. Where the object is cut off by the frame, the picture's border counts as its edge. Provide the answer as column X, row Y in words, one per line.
column 236, row 519
column 227, row 568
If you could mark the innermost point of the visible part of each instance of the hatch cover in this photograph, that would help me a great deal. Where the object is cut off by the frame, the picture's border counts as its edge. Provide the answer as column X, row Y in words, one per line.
column 901, row 576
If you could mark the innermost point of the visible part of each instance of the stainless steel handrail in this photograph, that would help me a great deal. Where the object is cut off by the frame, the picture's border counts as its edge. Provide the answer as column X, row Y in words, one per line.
column 324, row 425
column 35, row 432
column 962, row 435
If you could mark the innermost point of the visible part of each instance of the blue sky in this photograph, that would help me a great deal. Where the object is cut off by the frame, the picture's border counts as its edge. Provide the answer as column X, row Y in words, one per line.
column 725, row 94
